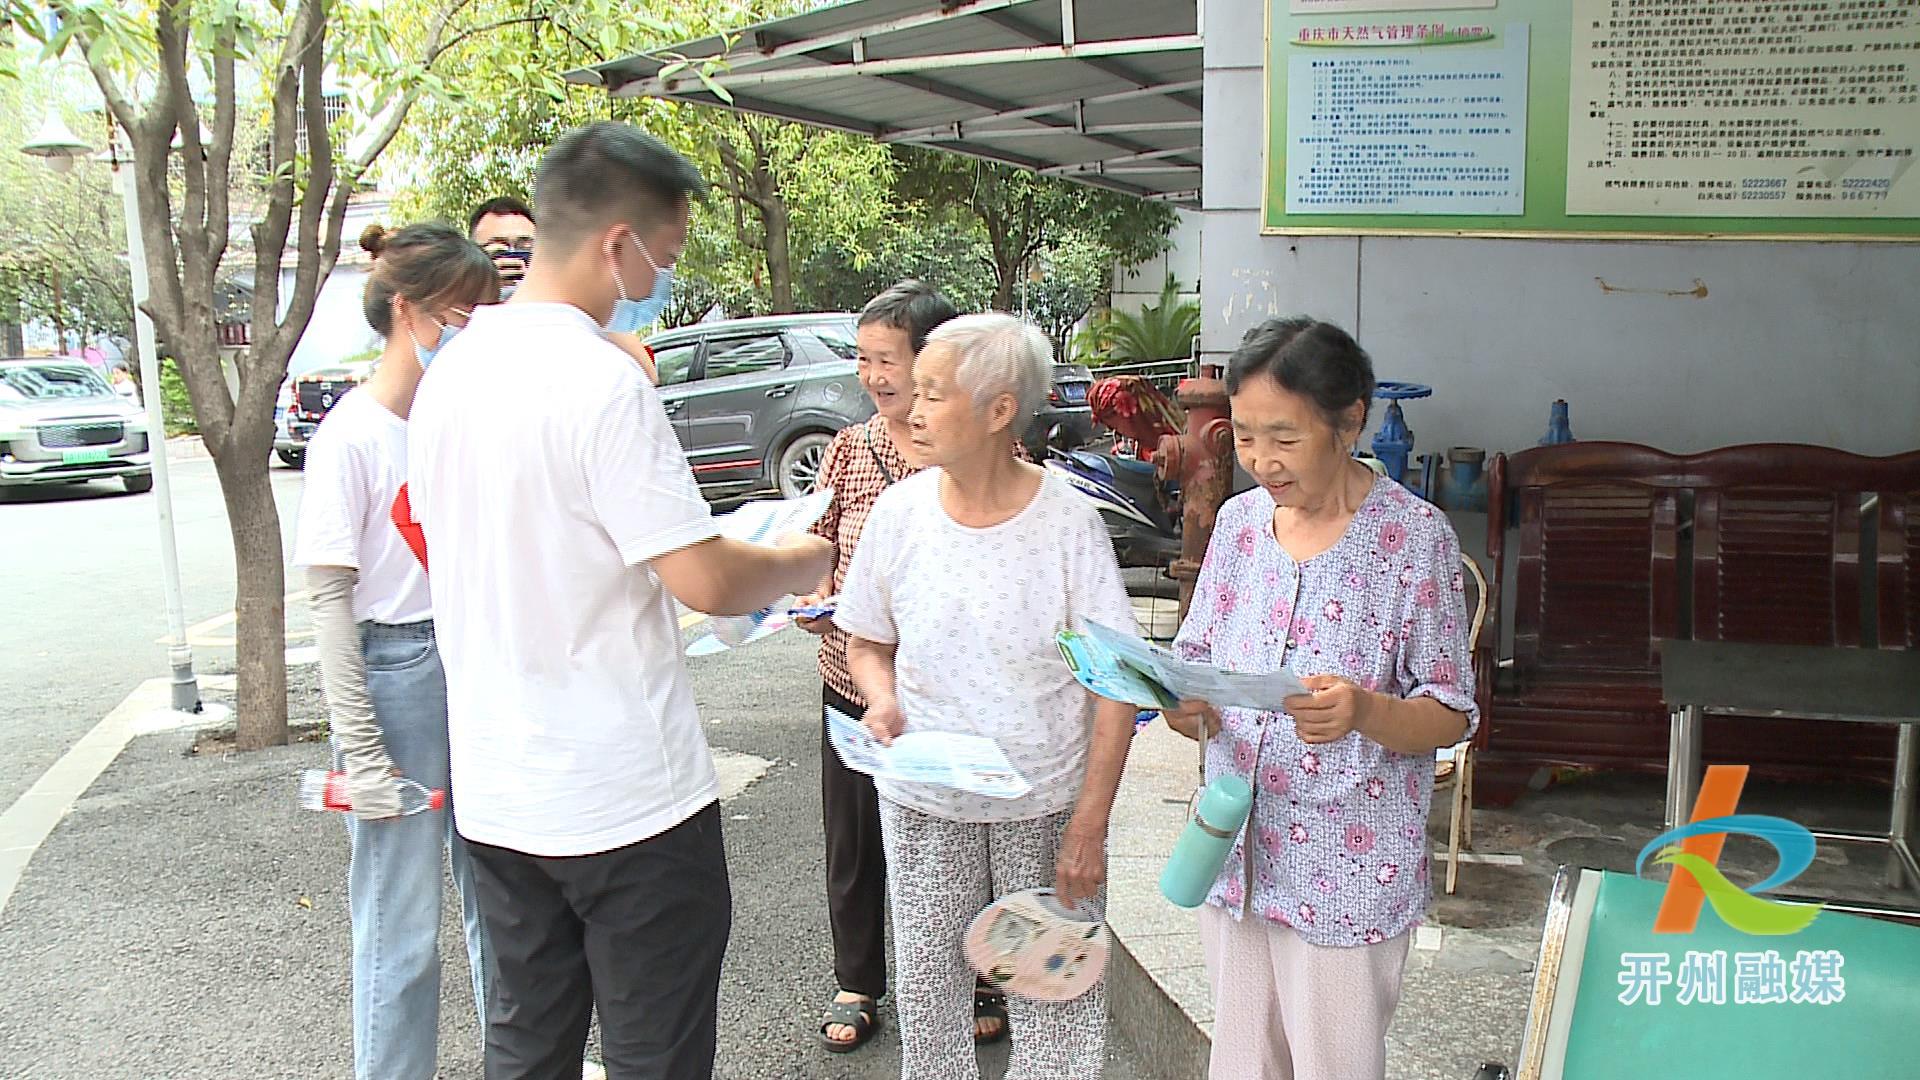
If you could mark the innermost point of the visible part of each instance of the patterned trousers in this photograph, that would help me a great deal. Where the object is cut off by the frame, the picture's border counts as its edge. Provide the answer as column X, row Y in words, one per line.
column 940, row 875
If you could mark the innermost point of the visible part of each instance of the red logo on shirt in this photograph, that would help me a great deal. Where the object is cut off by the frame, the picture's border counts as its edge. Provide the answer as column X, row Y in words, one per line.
column 410, row 530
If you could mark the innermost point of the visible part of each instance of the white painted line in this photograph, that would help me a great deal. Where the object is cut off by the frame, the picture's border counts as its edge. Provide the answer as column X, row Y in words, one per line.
column 306, row 654
column 298, row 634
column 1427, row 938
column 200, row 629
column 33, row 816
column 1492, row 859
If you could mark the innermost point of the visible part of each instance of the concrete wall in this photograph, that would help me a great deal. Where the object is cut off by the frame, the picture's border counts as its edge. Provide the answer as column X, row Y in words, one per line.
column 338, row 331
column 1135, row 287
column 1685, row 346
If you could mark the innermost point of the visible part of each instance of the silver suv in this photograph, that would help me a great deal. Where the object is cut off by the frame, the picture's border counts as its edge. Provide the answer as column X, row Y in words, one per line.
column 60, row 423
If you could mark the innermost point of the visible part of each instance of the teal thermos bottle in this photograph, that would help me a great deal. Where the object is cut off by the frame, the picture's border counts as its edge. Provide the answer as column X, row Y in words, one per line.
column 1207, row 840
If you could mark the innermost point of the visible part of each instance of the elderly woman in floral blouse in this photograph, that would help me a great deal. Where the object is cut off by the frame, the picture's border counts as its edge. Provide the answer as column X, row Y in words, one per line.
column 1354, row 585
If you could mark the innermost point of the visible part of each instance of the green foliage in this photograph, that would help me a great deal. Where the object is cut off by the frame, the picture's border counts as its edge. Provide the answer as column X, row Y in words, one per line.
column 1024, row 217
column 782, row 191
column 800, row 218
column 61, row 234
column 1161, row 331
column 175, row 407
column 1064, row 284
column 948, row 255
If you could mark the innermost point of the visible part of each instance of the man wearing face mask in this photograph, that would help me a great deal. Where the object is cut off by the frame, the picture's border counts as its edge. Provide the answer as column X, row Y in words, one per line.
column 503, row 226
column 583, row 783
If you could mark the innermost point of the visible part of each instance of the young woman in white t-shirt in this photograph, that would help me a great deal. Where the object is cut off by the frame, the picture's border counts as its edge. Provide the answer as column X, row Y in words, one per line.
column 386, row 693
column 964, row 575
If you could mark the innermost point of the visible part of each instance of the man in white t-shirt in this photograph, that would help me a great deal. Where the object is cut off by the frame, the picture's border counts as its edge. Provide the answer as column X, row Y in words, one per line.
column 562, row 522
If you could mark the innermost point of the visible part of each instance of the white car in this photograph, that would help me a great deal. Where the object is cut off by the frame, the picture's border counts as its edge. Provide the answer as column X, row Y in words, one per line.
column 60, row 423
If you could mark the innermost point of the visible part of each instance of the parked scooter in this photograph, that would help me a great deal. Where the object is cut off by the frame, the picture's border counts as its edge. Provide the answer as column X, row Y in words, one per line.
column 1142, row 515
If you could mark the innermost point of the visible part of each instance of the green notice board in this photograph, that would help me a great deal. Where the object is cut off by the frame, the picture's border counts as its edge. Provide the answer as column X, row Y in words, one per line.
column 1597, row 118
column 1866, row 1034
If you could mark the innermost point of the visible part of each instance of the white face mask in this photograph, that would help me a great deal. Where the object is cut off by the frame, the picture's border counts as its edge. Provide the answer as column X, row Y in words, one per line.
column 631, row 315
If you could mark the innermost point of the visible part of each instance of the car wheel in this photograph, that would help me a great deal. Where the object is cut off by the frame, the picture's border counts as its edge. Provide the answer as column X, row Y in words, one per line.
column 293, row 459
column 138, row 485
column 799, row 464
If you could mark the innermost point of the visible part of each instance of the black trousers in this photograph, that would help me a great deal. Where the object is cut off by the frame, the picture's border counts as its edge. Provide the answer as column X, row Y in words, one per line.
column 638, row 931
column 856, row 865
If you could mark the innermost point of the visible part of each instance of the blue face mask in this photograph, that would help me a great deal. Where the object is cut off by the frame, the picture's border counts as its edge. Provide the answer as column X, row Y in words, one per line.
column 426, row 355
column 629, row 316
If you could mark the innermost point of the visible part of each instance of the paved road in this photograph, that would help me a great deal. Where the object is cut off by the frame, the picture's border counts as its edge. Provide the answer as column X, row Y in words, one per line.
column 187, row 908
column 81, row 605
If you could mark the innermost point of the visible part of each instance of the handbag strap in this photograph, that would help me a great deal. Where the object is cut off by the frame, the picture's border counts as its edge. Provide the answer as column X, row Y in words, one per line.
column 1203, row 751
column 875, row 451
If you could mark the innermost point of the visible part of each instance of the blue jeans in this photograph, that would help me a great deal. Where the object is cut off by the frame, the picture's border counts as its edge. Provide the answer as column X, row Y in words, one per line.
column 394, row 881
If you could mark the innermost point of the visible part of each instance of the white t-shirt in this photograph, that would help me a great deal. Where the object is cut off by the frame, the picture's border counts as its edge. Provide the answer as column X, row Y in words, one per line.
column 355, row 466
column 545, row 475
column 974, row 614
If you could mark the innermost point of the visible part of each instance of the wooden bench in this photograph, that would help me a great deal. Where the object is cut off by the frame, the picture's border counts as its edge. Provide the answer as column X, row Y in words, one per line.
column 1617, row 545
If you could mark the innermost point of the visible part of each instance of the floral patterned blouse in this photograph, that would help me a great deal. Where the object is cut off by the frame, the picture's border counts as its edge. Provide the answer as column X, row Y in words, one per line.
column 1338, row 832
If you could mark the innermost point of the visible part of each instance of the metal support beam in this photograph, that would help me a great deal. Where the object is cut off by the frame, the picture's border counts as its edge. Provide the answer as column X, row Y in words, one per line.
column 654, row 87
column 981, row 101
column 994, row 121
column 1018, row 161
column 995, row 134
column 1101, row 170
column 757, row 48
column 778, row 110
column 1008, row 20
column 1148, row 155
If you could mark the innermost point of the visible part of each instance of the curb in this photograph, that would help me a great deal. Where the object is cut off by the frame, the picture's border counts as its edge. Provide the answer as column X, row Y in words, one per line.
column 1156, row 979
column 26, row 824
column 1165, row 1038
column 188, row 448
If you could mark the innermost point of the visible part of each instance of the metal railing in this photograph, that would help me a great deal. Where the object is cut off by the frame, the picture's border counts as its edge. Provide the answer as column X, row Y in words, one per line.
column 1165, row 374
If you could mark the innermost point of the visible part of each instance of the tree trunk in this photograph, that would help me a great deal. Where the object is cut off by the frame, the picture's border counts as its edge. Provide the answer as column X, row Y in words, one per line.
column 1005, row 278
column 12, row 334
column 59, row 317
column 779, row 253
column 260, row 708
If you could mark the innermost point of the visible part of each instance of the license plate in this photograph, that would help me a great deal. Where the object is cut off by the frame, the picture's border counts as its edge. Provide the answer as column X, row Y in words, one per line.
column 1075, row 391
column 84, row 457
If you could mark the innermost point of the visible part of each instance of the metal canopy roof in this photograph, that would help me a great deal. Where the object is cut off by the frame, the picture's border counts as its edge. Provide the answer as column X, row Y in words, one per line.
column 1103, row 92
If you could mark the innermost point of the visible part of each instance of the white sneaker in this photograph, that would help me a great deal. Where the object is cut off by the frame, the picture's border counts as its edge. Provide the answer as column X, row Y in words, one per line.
column 593, row 1070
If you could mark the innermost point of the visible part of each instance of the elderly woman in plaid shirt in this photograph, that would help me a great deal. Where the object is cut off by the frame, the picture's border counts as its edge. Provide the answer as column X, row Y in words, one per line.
column 863, row 461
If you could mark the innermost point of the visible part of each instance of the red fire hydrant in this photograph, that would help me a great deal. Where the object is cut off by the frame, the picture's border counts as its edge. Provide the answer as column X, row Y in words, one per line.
column 1200, row 461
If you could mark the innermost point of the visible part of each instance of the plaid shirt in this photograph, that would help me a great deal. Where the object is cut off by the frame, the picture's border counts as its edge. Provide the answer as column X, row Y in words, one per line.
column 854, row 470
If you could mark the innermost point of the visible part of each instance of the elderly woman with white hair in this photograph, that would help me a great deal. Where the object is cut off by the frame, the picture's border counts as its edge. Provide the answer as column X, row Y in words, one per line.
column 965, row 574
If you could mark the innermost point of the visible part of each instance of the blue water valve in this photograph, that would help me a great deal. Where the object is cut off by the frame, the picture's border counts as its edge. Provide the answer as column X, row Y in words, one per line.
column 1393, row 443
